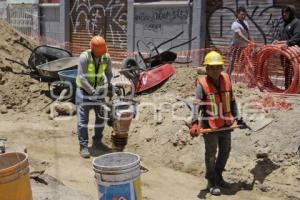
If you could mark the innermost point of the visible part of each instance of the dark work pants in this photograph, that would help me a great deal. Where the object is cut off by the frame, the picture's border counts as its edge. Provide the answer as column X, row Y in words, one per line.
column 214, row 141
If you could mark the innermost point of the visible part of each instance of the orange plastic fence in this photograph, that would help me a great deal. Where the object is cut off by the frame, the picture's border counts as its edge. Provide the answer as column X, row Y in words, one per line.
column 271, row 67
column 268, row 67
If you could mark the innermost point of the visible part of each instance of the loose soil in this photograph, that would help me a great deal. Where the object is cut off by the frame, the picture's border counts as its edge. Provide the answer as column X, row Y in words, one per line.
column 263, row 165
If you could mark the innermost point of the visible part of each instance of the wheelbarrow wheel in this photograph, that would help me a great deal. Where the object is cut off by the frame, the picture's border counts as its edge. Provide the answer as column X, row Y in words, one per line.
column 130, row 68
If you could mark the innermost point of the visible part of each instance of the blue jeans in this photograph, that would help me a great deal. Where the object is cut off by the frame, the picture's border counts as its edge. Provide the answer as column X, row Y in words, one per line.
column 84, row 105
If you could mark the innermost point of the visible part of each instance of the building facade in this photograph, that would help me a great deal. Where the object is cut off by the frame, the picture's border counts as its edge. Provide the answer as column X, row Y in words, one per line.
column 71, row 23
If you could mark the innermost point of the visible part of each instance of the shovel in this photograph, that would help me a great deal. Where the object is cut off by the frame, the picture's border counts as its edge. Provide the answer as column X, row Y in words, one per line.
column 258, row 125
column 253, row 127
column 204, row 131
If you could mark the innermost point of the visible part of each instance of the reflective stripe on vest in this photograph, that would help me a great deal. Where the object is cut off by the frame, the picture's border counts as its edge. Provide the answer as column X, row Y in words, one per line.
column 91, row 75
column 218, row 103
column 214, row 106
column 228, row 101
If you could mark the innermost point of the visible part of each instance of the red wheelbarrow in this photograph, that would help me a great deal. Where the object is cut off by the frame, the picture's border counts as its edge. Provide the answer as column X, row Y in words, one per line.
column 153, row 69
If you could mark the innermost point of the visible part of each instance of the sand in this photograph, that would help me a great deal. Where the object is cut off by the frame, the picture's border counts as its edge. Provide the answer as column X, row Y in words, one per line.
column 263, row 165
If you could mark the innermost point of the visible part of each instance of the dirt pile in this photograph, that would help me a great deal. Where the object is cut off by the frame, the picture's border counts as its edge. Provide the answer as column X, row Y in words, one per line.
column 262, row 165
column 259, row 160
column 18, row 89
column 182, row 83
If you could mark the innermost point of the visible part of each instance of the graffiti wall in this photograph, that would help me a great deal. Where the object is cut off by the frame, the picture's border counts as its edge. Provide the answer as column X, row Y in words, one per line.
column 107, row 18
column 264, row 21
column 167, row 15
column 156, row 22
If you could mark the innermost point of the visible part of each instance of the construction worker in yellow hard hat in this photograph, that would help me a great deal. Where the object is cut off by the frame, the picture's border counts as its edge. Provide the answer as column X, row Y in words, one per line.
column 215, row 100
column 93, row 68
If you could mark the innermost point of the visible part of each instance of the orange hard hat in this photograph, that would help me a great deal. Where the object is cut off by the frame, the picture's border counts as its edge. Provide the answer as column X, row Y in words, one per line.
column 98, row 46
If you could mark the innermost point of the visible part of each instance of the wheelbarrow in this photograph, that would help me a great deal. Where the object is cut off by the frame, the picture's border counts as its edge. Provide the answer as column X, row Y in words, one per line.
column 41, row 55
column 51, row 69
column 155, row 68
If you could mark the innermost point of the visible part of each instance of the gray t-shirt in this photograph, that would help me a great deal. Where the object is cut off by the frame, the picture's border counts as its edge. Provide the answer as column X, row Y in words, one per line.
column 82, row 71
column 237, row 27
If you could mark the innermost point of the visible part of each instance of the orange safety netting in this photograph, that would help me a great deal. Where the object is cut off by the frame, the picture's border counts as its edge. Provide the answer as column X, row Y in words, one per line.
column 269, row 67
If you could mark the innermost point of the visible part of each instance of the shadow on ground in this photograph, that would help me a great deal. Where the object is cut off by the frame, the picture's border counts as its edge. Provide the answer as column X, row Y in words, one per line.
column 262, row 169
column 99, row 150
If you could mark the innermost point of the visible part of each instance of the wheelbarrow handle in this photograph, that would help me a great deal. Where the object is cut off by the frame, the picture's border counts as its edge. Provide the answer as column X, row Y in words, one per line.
column 185, row 62
column 131, row 69
column 14, row 61
column 169, row 40
column 181, row 44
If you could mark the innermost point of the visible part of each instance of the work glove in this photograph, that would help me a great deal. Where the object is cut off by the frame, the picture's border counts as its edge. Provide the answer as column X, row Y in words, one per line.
column 241, row 123
column 97, row 94
column 100, row 91
column 93, row 96
column 194, row 131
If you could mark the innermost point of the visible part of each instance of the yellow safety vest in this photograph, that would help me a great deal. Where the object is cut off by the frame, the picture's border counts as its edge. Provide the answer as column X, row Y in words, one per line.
column 92, row 76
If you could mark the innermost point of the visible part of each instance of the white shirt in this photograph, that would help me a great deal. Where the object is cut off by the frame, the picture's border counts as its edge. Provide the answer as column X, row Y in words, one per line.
column 237, row 27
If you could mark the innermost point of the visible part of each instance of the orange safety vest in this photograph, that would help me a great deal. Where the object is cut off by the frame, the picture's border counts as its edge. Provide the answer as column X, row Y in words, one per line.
column 218, row 103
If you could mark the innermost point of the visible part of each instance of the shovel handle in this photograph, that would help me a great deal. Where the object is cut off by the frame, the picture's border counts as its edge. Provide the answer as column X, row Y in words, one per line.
column 204, row 131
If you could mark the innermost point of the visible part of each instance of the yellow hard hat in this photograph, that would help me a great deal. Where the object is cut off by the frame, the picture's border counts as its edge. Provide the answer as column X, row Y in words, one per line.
column 213, row 58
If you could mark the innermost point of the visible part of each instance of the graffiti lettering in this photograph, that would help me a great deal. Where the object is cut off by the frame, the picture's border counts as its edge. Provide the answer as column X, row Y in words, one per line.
column 93, row 18
column 274, row 27
column 152, row 27
column 162, row 15
column 142, row 17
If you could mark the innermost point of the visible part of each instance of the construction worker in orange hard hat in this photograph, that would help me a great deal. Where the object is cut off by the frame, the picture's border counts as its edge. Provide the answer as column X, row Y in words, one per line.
column 94, row 73
column 215, row 100
column 98, row 46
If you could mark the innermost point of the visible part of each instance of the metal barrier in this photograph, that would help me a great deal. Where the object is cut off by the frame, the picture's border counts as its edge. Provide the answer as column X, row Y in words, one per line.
column 21, row 18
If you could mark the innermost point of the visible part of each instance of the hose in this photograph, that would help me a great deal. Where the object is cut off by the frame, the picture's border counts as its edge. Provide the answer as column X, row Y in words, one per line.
column 256, row 66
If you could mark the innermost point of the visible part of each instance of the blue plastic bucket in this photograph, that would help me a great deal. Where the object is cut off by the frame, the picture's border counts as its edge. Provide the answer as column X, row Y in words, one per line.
column 68, row 75
column 118, row 176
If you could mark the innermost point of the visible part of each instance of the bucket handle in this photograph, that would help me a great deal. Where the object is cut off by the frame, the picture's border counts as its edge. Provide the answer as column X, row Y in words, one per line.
column 143, row 169
column 96, row 176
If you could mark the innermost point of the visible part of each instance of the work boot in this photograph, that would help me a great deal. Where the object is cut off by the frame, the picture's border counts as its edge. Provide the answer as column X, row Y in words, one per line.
column 84, row 152
column 220, row 181
column 97, row 144
column 213, row 188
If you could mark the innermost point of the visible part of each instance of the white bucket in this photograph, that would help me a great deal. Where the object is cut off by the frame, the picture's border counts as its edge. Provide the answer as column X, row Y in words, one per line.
column 118, row 176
